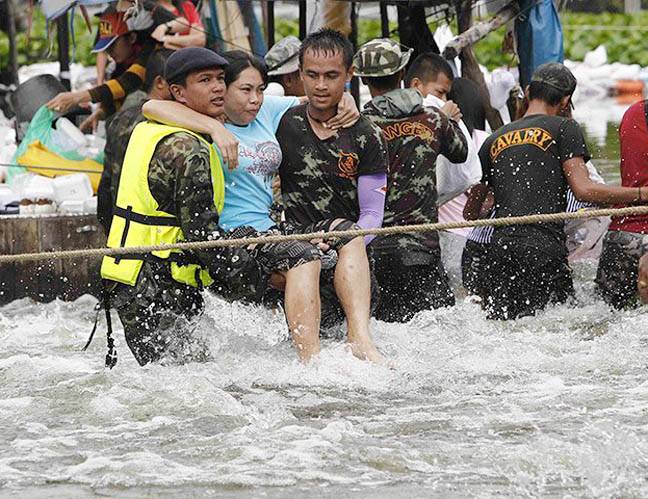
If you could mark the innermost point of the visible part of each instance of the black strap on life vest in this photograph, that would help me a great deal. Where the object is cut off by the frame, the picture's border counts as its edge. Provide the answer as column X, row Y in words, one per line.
column 132, row 216
column 111, row 356
column 199, row 281
column 181, row 259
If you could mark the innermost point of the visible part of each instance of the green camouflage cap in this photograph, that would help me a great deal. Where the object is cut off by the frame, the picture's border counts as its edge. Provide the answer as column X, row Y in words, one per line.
column 283, row 57
column 555, row 75
column 381, row 57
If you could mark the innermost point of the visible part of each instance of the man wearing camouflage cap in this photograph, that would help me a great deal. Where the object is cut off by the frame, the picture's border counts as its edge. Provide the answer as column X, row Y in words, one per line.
column 408, row 266
column 529, row 165
column 283, row 66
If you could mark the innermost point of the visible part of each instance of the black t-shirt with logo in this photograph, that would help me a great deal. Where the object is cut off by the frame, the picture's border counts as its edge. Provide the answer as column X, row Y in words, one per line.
column 319, row 177
column 522, row 163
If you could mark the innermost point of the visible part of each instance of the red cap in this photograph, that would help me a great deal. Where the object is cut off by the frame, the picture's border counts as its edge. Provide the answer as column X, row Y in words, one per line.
column 111, row 26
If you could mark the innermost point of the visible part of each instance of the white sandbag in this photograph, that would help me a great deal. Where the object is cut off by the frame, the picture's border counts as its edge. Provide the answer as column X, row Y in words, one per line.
column 90, row 205
column 71, row 206
column 596, row 57
column 33, row 187
column 7, row 195
column 74, row 187
column 455, row 178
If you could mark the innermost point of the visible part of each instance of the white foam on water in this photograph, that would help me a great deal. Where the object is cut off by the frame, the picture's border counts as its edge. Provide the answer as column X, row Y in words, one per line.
column 555, row 404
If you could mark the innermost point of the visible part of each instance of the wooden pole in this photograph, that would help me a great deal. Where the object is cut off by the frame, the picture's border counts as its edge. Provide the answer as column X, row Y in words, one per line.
column 470, row 67
column 384, row 20
column 63, row 50
column 302, row 19
column 13, row 46
column 472, row 34
column 355, row 82
column 270, row 23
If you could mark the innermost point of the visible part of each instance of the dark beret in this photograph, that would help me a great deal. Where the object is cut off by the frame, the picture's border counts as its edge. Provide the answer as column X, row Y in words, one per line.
column 184, row 61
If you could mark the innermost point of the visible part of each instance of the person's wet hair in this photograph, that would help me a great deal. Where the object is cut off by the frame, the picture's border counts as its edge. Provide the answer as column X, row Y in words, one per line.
column 329, row 42
column 546, row 93
column 239, row 61
column 155, row 67
column 384, row 83
column 426, row 67
column 465, row 93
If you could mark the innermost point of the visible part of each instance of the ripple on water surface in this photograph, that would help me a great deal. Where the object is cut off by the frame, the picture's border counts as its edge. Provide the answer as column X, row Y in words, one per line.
column 553, row 404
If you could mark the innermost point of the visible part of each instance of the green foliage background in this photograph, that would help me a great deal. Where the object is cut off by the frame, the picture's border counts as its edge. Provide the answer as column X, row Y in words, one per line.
column 625, row 43
column 584, row 32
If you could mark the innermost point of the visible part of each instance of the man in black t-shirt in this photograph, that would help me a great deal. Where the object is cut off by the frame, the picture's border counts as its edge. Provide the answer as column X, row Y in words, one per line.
column 334, row 180
column 529, row 165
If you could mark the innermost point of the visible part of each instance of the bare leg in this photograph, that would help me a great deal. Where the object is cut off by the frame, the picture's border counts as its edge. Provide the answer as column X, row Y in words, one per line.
column 642, row 280
column 303, row 308
column 353, row 287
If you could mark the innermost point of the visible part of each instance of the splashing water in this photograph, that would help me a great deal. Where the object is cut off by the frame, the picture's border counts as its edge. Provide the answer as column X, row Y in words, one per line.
column 555, row 404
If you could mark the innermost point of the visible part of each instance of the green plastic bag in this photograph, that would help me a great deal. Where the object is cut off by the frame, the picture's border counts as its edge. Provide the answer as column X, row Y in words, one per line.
column 40, row 128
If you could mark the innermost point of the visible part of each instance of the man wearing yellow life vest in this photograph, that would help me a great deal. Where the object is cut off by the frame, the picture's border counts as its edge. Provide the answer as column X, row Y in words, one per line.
column 171, row 189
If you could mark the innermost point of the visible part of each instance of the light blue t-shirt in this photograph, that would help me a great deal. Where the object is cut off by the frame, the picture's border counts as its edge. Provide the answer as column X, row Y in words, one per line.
column 248, row 189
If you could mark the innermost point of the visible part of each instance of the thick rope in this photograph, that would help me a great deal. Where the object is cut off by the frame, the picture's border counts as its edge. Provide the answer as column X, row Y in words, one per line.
column 384, row 231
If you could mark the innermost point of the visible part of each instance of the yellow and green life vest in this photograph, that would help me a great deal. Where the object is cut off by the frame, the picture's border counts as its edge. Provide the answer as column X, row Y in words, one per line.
column 138, row 221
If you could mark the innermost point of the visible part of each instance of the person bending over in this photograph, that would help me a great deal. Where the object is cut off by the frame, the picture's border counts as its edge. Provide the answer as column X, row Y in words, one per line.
column 128, row 43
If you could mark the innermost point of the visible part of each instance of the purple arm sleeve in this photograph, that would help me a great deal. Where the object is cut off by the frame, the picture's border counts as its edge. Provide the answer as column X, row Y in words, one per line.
column 371, row 199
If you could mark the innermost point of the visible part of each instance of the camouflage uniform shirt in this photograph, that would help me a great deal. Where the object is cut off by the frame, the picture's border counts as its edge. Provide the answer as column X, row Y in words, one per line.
column 319, row 177
column 158, row 313
column 415, row 137
column 179, row 179
column 118, row 134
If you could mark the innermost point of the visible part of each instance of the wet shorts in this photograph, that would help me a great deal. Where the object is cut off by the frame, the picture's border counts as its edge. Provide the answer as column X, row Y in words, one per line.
column 406, row 290
column 329, row 225
column 616, row 278
column 525, row 278
column 281, row 257
column 474, row 272
column 253, row 287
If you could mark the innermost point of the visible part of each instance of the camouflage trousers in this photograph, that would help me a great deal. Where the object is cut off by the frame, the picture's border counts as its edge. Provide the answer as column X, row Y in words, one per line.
column 159, row 316
column 616, row 277
column 411, row 277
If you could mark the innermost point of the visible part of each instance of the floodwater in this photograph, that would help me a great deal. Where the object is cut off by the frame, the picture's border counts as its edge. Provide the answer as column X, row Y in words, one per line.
column 552, row 405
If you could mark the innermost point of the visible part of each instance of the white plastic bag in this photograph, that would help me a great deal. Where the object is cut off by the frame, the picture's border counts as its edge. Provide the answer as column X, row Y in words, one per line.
column 455, row 178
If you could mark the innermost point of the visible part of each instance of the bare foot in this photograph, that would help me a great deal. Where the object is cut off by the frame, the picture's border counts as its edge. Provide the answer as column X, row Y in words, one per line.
column 370, row 353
